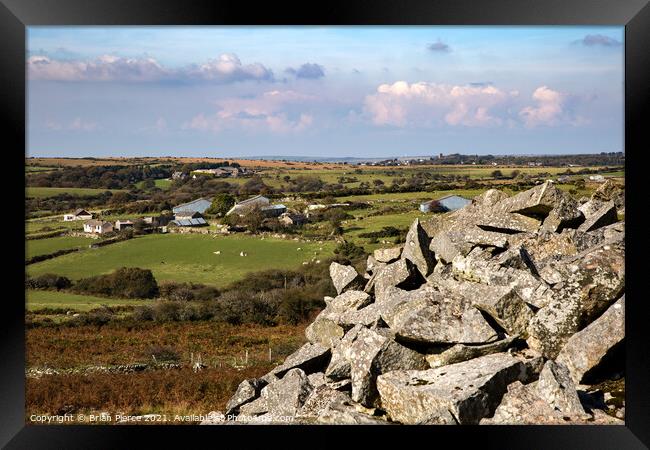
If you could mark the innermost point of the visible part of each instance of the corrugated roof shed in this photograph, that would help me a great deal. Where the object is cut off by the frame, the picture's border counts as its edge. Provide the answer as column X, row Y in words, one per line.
column 189, row 222
column 200, row 205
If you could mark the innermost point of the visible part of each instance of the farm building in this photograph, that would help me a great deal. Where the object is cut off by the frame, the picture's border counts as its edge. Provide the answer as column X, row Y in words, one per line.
column 122, row 224
column 221, row 172
column 259, row 201
column 98, row 227
column 318, row 207
column 292, row 218
column 245, row 205
column 198, row 222
column 274, row 210
column 200, row 205
column 80, row 214
column 183, row 215
column 178, row 176
column 444, row 204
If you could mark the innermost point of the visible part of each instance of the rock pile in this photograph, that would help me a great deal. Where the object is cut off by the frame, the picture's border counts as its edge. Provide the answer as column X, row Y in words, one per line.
column 502, row 312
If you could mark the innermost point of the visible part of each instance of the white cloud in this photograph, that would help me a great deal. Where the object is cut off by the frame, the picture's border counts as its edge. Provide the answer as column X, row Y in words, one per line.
column 265, row 112
column 428, row 104
column 599, row 40
column 227, row 68
column 307, row 70
column 104, row 68
column 76, row 124
column 549, row 109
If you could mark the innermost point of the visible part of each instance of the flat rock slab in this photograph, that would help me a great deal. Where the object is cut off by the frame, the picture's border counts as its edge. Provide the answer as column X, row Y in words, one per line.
column 247, row 391
column 566, row 214
column 461, row 352
column 605, row 215
column 338, row 368
column 477, row 267
column 587, row 348
column 416, row 249
column 319, row 399
column 470, row 390
column 341, row 413
column 591, row 283
column 325, row 332
column 371, row 354
column 429, row 316
column 286, row 396
column 387, row 255
column 448, row 244
column 558, row 389
column 522, row 405
column 367, row 316
column 402, row 274
column 345, row 277
column 310, row 358
column 540, row 200
column 502, row 303
column 350, row 300
column 372, row 265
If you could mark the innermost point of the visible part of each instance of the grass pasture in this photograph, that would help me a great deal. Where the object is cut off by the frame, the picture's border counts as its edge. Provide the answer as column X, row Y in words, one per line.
column 162, row 183
column 56, row 300
column 47, row 225
column 187, row 257
column 42, row 192
column 37, row 247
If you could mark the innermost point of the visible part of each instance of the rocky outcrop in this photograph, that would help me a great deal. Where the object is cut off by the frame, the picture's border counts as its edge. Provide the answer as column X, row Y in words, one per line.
column 429, row 316
column 345, row 277
column 416, row 249
column 558, row 389
column 387, row 255
column 588, row 347
column 468, row 391
column 491, row 314
column 461, row 352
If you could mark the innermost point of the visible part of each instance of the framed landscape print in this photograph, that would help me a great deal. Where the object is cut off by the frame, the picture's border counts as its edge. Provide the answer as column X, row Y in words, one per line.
column 410, row 217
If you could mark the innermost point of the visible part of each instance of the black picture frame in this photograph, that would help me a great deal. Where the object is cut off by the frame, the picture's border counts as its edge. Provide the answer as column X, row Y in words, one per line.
column 16, row 15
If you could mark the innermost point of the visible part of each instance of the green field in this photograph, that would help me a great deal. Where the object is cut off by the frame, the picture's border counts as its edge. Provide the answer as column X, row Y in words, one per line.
column 55, row 299
column 400, row 197
column 41, row 192
column 187, row 258
column 36, row 247
column 275, row 178
column 162, row 183
column 44, row 226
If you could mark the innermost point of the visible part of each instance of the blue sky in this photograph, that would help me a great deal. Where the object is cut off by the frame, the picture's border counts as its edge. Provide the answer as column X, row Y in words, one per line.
column 324, row 91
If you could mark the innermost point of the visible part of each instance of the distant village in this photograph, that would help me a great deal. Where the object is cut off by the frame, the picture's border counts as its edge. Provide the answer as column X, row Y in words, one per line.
column 192, row 214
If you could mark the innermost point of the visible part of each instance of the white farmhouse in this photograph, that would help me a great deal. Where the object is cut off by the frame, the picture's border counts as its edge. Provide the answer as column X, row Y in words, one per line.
column 80, row 214
column 98, row 227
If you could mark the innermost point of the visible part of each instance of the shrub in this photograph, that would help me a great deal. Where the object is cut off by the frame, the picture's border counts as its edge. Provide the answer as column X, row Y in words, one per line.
column 184, row 292
column 349, row 251
column 163, row 353
column 221, row 204
column 98, row 317
column 385, row 232
column 48, row 281
column 126, row 282
column 166, row 311
column 143, row 314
